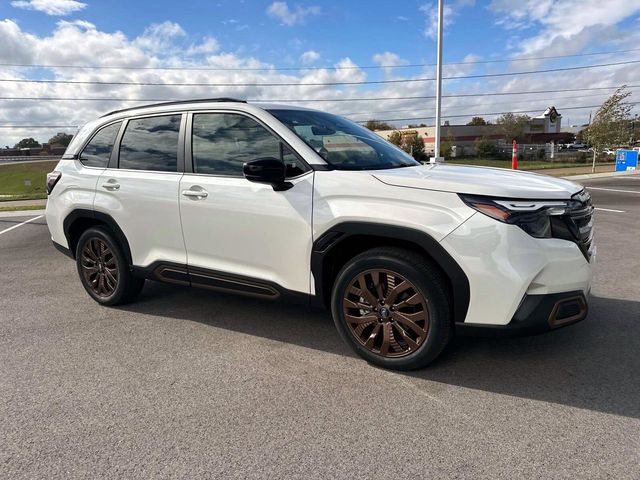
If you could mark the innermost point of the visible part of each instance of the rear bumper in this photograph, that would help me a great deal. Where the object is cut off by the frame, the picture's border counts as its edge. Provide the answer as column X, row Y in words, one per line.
column 536, row 314
column 63, row 249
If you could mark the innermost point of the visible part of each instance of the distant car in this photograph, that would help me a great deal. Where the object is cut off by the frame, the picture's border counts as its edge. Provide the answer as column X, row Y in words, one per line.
column 609, row 152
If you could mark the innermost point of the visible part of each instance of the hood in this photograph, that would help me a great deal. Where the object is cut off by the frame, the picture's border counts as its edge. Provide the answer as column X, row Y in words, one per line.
column 496, row 182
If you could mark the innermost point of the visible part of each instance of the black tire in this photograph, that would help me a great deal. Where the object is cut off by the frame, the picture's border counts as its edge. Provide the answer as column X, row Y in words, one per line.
column 393, row 267
column 117, row 286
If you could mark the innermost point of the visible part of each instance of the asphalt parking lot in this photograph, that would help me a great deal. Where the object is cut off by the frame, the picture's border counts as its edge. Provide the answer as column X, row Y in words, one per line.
column 188, row 383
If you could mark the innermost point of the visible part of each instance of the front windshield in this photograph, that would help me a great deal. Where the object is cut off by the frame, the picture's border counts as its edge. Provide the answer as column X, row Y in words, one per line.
column 343, row 144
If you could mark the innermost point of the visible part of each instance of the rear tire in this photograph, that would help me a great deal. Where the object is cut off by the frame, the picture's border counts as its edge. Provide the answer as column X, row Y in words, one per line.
column 392, row 306
column 103, row 269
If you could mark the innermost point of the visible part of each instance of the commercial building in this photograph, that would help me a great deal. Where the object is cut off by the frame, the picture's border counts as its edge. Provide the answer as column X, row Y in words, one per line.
column 542, row 129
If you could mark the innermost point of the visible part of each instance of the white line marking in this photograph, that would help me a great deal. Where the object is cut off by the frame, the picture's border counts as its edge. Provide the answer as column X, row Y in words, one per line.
column 613, row 190
column 609, row 210
column 20, row 224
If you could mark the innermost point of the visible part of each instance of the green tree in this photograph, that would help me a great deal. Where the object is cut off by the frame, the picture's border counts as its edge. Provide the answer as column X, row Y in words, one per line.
column 446, row 144
column 396, row 138
column 27, row 143
column 610, row 126
column 512, row 126
column 478, row 121
column 581, row 136
column 60, row 138
column 414, row 145
column 377, row 125
column 485, row 147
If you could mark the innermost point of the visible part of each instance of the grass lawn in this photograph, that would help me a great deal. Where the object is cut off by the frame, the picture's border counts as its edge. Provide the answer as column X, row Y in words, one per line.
column 13, row 176
column 522, row 165
column 19, row 209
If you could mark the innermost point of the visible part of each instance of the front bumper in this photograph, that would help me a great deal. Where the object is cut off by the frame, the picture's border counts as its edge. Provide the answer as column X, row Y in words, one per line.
column 536, row 314
column 505, row 266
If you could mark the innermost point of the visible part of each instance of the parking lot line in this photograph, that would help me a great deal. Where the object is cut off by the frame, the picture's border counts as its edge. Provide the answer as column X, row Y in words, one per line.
column 612, row 190
column 20, row 224
column 608, row 210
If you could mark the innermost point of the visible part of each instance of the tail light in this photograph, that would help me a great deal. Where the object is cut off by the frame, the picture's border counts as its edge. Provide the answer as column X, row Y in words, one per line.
column 52, row 179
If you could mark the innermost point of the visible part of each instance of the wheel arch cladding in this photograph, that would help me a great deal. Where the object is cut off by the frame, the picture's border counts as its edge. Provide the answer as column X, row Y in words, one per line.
column 80, row 220
column 343, row 241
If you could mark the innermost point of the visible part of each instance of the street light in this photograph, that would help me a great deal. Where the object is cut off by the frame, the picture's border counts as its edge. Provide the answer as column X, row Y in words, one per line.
column 437, row 158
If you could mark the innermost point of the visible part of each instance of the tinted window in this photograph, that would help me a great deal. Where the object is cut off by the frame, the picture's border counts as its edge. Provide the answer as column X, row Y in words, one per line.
column 98, row 150
column 343, row 144
column 223, row 142
column 151, row 144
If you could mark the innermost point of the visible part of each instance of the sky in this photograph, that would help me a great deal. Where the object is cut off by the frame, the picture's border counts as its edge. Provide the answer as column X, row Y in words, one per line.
column 245, row 44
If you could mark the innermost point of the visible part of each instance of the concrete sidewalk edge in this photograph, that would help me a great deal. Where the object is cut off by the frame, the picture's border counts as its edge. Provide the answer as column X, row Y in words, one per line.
column 600, row 175
column 22, row 213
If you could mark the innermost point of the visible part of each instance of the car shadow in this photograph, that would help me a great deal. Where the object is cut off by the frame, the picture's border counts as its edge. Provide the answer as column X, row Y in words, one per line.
column 593, row 365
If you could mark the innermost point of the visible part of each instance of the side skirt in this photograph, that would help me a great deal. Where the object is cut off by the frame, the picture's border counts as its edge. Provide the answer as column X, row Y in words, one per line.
column 179, row 274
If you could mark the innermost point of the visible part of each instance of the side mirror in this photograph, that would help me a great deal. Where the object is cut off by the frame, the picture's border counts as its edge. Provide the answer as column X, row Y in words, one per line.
column 267, row 170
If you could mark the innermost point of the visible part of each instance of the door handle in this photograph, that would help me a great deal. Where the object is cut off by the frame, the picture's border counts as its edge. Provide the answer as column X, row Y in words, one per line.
column 195, row 194
column 111, row 186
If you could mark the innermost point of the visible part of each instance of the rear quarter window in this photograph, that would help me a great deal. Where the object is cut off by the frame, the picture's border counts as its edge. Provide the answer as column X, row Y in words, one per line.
column 98, row 151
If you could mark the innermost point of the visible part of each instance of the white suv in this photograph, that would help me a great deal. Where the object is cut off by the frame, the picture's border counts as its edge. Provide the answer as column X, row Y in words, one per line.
column 285, row 202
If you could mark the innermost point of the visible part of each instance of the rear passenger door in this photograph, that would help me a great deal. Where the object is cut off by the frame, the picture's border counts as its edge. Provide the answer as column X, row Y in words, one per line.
column 242, row 235
column 140, row 188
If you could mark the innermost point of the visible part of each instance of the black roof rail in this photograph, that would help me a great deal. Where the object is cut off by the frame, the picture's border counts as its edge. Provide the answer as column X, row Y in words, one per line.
column 177, row 102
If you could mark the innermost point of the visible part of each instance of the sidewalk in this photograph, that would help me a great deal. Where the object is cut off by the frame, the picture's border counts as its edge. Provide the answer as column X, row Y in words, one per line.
column 581, row 170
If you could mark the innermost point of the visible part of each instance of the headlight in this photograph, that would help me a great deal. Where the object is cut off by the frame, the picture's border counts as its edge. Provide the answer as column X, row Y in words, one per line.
column 536, row 217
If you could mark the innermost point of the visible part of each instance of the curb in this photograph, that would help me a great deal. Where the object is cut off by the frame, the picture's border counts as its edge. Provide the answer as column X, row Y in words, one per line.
column 600, row 175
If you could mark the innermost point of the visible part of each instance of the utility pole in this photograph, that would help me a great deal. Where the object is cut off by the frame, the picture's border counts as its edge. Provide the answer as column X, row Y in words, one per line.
column 437, row 158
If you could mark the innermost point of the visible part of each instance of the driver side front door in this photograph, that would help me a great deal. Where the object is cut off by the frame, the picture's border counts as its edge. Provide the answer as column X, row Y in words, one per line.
column 240, row 235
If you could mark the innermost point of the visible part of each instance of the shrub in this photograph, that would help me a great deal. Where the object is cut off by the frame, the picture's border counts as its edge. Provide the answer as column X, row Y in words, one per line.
column 485, row 147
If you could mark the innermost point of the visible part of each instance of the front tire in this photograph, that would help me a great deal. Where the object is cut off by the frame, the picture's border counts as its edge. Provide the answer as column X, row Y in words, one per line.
column 392, row 306
column 103, row 269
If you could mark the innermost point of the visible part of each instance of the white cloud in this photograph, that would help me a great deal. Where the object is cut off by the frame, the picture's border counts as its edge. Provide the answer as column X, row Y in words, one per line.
column 388, row 60
column 209, row 45
column 310, row 56
column 564, row 27
column 449, row 12
column 50, row 7
column 159, row 37
column 290, row 17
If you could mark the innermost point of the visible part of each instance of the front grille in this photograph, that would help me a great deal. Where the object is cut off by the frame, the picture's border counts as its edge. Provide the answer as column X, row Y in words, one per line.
column 577, row 224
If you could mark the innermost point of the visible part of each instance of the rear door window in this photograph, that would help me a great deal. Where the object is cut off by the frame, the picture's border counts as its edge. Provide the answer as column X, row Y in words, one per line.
column 151, row 144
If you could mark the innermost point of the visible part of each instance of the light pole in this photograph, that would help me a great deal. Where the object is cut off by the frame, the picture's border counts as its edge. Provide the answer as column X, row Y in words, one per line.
column 437, row 158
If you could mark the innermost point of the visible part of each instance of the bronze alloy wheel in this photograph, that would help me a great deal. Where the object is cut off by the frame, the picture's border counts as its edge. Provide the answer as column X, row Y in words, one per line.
column 386, row 313
column 99, row 267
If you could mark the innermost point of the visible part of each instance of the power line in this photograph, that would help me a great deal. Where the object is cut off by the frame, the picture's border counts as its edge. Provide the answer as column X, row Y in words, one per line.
column 38, row 126
column 258, row 69
column 473, row 105
column 363, row 121
column 299, row 100
column 317, row 84
column 481, row 114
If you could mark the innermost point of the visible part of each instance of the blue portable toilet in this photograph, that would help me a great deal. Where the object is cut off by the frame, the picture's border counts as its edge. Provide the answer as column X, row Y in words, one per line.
column 626, row 160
